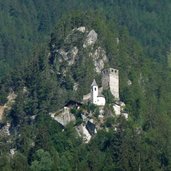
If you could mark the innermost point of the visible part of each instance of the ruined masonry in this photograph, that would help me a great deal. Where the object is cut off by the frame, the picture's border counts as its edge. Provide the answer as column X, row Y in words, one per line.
column 110, row 81
column 87, row 129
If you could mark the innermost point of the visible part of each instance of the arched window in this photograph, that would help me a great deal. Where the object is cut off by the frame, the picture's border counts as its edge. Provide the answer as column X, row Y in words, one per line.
column 94, row 88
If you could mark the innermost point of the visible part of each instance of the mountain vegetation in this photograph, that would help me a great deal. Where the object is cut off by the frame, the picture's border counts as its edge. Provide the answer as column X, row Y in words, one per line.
column 25, row 24
column 136, row 38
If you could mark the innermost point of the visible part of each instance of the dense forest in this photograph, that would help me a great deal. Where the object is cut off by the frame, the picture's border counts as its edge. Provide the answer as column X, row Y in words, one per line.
column 136, row 38
column 25, row 24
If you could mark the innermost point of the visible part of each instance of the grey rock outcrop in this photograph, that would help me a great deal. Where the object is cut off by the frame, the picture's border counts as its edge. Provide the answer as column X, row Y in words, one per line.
column 91, row 39
column 99, row 58
column 63, row 116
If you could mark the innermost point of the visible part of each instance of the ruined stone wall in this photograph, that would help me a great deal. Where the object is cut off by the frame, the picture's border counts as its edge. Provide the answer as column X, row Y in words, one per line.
column 114, row 82
column 110, row 80
column 105, row 79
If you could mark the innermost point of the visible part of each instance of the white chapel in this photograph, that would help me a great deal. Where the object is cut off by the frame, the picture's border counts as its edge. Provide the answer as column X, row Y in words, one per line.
column 96, row 97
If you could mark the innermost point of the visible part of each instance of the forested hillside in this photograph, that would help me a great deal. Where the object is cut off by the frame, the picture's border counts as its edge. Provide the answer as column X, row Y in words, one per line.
column 26, row 24
column 38, row 42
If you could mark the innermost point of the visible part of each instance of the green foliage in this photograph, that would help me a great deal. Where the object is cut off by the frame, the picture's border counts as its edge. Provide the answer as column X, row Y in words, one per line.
column 108, row 96
column 142, row 31
column 169, row 59
column 3, row 95
column 20, row 30
column 110, row 122
column 19, row 162
column 90, row 107
column 42, row 161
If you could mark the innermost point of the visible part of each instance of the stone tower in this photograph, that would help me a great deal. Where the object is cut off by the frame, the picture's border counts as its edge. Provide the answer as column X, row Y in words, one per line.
column 94, row 92
column 110, row 80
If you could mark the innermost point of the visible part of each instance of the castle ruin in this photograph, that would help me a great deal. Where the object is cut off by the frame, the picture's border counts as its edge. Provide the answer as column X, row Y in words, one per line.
column 110, row 80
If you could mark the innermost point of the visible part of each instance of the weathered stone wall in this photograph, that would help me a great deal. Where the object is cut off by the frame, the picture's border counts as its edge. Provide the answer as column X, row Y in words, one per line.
column 87, row 97
column 105, row 79
column 110, row 80
column 100, row 101
column 114, row 82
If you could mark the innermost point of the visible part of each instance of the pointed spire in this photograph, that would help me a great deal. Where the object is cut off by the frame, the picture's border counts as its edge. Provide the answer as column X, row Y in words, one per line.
column 94, row 83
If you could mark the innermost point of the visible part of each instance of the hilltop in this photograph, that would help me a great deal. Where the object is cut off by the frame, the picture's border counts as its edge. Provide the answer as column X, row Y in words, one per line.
column 59, row 74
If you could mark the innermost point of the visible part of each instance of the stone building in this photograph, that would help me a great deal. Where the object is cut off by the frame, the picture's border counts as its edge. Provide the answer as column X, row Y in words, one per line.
column 110, row 80
column 96, row 97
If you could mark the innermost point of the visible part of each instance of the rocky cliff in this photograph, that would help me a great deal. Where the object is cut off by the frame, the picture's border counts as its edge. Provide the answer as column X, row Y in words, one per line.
column 78, row 59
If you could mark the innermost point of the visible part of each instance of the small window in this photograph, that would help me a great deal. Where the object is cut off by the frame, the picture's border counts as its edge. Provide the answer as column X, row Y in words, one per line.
column 115, row 71
column 95, row 88
column 112, row 70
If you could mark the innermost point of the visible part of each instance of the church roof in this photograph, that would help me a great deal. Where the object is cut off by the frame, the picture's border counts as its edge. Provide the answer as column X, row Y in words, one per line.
column 91, row 128
column 73, row 103
column 94, row 83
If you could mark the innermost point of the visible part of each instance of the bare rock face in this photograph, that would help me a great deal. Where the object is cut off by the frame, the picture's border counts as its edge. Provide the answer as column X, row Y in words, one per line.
column 64, row 116
column 91, row 39
column 7, row 106
column 81, row 29
column 69, row 56
column 12, row 152
column 129, row 82
column 83, row 132
column 4, row 130
column 117, row 109
column 99, row 59
column 63, row 55
column 2, row 109
column 80, row 47
column 75, row 87
column 72, row 55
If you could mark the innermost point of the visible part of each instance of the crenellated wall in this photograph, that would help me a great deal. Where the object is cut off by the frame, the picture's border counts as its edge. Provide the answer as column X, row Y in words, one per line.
column 110, row 80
